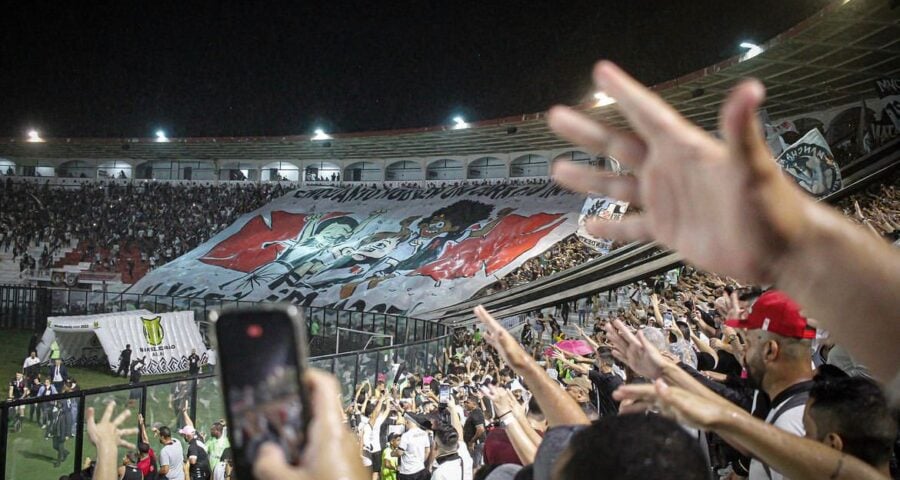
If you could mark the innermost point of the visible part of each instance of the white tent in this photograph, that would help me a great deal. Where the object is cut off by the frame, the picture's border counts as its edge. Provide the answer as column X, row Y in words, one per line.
column 165, row 339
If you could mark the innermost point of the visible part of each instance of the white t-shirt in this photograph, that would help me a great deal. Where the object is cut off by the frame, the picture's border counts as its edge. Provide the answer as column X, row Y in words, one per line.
column 413, row 443
column 790, row 421
column 467, row 460
column 457, row 469
column 30, row 361
column 173, row 456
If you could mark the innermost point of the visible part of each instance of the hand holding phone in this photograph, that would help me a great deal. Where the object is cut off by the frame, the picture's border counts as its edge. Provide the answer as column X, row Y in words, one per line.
column 263, row 358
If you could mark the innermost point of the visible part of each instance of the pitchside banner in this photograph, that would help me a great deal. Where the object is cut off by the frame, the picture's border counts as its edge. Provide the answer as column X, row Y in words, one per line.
column 389, row 250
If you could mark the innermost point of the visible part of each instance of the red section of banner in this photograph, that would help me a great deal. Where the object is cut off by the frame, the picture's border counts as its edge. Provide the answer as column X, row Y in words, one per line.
column 511, row 237
column 252, row 246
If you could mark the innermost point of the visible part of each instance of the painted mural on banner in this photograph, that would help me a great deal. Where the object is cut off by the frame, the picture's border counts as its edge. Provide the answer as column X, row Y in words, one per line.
column 601, row 207
column 374, row 249
column 811, row 164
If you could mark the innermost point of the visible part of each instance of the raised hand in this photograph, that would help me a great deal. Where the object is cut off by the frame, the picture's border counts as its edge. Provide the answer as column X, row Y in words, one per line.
column 107, row 437
column 498, row 337
column 635, row 351
column 723, row 204
column 681, row 405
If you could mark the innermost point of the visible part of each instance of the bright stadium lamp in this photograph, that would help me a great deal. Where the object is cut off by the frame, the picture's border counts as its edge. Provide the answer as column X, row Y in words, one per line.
column 321, row 135
column 34, row 136
column 459, row 123
column 603, row 99
column 752, row 50
column 161, row 136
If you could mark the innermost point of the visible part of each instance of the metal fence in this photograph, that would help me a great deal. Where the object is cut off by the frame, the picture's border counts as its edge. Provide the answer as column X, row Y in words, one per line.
column 28, row 452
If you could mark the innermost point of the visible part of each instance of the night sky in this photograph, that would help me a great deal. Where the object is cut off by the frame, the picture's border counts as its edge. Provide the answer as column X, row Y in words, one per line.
column 128, row 68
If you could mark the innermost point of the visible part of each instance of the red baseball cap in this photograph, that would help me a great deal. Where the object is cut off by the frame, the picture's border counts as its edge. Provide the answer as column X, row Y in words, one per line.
column 775, row 312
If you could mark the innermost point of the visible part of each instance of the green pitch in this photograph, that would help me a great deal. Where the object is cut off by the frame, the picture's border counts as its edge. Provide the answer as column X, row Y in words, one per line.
column 31, row 456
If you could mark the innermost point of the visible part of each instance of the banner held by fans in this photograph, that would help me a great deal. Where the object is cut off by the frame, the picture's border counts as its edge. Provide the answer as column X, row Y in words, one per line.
column 374, row 249
column 811, row 164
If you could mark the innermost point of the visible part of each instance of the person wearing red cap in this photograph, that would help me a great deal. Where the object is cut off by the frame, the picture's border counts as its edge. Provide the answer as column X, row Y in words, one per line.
column 778, row 362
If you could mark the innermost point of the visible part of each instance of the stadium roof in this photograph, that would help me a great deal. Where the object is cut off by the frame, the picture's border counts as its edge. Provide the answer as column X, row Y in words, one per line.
column 830, row 59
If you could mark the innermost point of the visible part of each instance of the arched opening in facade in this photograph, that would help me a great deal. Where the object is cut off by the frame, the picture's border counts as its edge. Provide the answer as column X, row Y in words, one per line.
column 530, row 165
column 77, row 169
column 118, row 169
column 362, row 172
column 322, row 172
column 486, row 167
column 403, row 171
column 280, row 172
column 445, row 169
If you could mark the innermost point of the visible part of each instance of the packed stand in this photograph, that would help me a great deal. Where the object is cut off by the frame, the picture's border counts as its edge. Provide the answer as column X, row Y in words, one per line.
column 809, row 370
column 127, row 228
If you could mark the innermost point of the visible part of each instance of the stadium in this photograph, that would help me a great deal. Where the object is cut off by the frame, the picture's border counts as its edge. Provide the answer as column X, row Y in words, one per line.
column 727, row 286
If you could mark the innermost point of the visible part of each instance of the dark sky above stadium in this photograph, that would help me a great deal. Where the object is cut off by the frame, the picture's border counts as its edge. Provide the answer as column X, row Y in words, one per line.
column 193, row 68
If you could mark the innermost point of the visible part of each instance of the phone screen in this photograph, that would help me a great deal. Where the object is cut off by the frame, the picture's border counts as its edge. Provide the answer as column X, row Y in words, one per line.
column 261, row 382
column 444, row 394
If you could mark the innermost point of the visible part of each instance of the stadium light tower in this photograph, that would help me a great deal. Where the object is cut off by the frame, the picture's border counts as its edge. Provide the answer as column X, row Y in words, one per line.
column 34, row 136
column 161, row 136
column 752, row 50
column 459, row 123
column 321, row 135
column 603, row 99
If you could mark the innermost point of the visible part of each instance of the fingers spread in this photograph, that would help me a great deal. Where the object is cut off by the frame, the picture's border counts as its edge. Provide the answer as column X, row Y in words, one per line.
column 89, row 416
column 107, row 414
column 629, row 229
column 122, row 417
column 646, row 111
column 580, row 178
column 127, row 431
column 596, row 137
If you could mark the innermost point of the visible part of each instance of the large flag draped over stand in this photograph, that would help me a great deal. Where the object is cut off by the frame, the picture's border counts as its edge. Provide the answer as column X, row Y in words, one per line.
column 374, row 249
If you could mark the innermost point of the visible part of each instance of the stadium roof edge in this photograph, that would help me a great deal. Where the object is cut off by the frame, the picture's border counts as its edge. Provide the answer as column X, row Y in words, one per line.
column 830, row 59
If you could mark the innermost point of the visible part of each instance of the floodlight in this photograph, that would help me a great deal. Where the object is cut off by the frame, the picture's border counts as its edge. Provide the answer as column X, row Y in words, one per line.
column 321, row 135
column 34, row 136
column 603, row 99
column 752, row 50
column 460, row 123
column 161, row 136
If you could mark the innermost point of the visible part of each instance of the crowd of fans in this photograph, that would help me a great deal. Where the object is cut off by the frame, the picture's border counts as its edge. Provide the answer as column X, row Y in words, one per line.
column 122, row 228
column 687, row 376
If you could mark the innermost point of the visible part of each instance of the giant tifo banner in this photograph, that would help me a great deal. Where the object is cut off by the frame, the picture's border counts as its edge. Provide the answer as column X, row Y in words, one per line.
column 375, row 249
column 163, row 340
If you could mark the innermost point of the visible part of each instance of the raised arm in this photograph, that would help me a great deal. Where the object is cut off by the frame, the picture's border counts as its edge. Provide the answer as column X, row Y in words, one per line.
column 726, row 206
column 794, row 457
column 143, row 430
column 557, row 405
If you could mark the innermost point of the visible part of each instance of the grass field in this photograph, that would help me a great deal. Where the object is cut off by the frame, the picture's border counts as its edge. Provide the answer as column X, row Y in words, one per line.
column 30, row 456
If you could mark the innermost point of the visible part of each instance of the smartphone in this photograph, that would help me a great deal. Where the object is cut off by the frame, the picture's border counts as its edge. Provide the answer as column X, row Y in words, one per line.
column 444, row 394
column 262, row 357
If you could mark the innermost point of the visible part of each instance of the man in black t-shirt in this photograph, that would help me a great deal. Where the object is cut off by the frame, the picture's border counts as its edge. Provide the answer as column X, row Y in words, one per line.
column 193, row 363
column 605, row 382
column 124, row 362
column 473, row 430
column 197, row 458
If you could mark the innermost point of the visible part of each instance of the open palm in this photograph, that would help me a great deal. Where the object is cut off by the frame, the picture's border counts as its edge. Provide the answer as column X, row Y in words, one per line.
column 714, row 201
